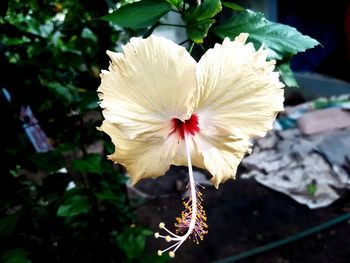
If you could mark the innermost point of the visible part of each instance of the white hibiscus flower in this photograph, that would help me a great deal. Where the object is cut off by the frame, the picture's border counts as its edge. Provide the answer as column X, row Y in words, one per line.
column 161, row 107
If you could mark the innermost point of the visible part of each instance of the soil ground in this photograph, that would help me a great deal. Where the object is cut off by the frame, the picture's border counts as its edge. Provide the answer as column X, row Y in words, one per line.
column 243, row 215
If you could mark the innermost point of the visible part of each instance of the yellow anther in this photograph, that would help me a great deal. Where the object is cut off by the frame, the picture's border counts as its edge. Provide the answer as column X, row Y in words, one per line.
column 161, row 225
column 168, row 238
column 171, row 254
column 159, row 252
column 156, row 235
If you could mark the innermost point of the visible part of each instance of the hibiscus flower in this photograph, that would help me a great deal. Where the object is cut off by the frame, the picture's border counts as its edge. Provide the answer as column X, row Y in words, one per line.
column 163, row 108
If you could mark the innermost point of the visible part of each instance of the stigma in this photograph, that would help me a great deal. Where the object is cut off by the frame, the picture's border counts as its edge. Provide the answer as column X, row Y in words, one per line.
column 189, row 126
column 192, row 222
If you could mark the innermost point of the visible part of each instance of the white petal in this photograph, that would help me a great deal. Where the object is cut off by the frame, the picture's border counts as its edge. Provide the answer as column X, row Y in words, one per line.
column 222, row 156
column 147, row 85
column 196, row 153
column 237, row 91
column 219, row 154
column 142, row 158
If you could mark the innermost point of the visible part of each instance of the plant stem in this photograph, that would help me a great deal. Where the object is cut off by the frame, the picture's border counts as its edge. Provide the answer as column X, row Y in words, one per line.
column 166, row 24
column 191, row 48
column 150, row 31
column 183, row 42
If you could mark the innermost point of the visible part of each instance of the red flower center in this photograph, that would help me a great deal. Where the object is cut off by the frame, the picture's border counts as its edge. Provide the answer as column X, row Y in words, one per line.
column 189, row 126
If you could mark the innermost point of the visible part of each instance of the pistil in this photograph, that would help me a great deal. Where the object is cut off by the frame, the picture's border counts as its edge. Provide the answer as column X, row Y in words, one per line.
column 193, row 218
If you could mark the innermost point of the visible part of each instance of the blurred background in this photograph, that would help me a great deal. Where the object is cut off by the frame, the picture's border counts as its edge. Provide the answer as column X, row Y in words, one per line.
column 62, row 201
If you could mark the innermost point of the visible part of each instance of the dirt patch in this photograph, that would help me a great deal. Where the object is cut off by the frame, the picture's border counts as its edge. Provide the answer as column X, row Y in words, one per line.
column 243, row 215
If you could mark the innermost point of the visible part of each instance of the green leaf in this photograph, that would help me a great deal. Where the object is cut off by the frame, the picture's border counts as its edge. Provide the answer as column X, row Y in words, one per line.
column 176, row 3
column 200, row 19
column 90, row 164
column 197, row 32
column 139, row 14
column 281, row 40
column 15, row 41
column 206, row 10
column 16, row 171
column 146, row 232
column 15, row 256
column 50, row 161
column 312, row 188
column 287, row 75
column 73, row 205
column 132, row 241
column 233, row 6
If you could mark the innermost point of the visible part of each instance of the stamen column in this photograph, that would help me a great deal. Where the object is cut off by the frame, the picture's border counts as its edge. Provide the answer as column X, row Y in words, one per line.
column 196, row 225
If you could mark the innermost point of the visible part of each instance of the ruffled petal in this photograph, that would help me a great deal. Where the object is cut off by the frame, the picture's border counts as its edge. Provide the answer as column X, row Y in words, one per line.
column 147, row 158
column 219, row 154
column 237, row 91
column 222, row 156
column 147, row 85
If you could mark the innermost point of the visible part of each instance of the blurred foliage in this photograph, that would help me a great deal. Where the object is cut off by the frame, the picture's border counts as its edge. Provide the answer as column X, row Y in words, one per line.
column 209, row 21
column 70, row 204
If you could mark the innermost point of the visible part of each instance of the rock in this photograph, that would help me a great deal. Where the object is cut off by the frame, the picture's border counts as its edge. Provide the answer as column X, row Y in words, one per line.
column 323, row 120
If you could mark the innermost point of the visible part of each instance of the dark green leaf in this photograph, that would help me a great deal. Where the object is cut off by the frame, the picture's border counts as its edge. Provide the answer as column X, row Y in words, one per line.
column 287, row 75
column 281, row 40
column 108, row 195
column 73, row 205
column 66, row 147
column 8, row 224
column 49, row 162
column 15, row 256
column 63, row 92
column 88, row 100
column 90, row 164
column 139, row 14
column 197, row 32
column 233, row 6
